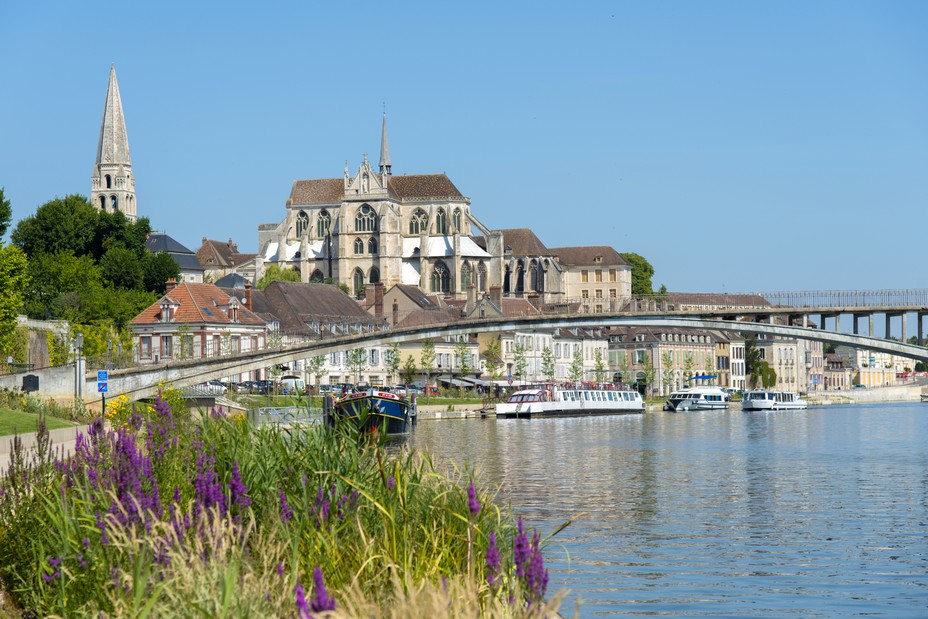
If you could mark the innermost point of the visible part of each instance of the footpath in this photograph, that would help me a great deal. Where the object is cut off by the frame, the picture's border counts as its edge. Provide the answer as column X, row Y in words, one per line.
column 62, row 439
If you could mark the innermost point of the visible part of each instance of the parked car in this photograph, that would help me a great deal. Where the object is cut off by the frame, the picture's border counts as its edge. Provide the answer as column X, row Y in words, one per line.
column 212, row 387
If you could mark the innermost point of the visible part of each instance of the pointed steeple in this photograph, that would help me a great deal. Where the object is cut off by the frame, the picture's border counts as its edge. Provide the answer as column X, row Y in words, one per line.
column 385, row 164
column 112, row 181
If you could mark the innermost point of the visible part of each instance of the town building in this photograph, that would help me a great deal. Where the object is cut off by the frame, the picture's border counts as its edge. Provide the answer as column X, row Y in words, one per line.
column 112, row 183
column 190, row 268
column 221, row 258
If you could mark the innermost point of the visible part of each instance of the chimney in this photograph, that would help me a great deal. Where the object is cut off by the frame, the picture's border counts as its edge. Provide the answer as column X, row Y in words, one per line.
column 471, row 298
column 170, row 285
column 396, row 312
column 496, row 296
column 377, row 297
column 248, row 295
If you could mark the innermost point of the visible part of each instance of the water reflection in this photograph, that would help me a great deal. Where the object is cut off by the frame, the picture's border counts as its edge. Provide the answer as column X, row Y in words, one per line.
column 818, row 513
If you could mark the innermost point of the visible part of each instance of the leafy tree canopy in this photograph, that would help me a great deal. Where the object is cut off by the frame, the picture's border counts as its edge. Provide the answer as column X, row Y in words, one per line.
column 273, row 273
column 122, row 268
column 157, row 270
column 51, row 276
column 14, row 281
column 6, row 213
column 642, row 271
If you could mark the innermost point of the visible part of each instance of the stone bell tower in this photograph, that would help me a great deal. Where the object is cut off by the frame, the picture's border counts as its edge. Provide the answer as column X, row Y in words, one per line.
column 112, row 181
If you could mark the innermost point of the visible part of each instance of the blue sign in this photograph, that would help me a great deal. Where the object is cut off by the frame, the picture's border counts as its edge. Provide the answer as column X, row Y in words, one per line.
column 102, row 376
column 102, row 388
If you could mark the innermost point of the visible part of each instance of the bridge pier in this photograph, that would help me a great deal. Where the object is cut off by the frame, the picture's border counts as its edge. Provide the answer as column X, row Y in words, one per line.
column 921, row 334
column 857, row 316
column 889, row 317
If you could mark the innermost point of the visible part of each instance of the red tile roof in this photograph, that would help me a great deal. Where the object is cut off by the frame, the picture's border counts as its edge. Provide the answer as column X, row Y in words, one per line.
column 197, row 303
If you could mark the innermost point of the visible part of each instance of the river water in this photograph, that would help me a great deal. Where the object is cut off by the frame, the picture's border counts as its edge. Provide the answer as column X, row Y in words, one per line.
column 816, row 513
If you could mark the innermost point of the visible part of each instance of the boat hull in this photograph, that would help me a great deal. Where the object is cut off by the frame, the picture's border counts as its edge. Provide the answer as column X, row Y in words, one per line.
column 773, row 401
column 574, row 404
column 380, row 411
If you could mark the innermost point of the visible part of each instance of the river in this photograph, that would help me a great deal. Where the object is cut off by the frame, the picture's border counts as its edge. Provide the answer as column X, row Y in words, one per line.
column 816, row 513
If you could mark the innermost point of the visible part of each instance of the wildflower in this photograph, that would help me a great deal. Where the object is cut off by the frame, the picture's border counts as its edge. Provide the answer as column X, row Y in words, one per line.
column 280, row 568
column 237, row 489
column 492, row 560
column 285, row 512
column 520, row 550
column 536, row 576
column 472, row 501
column 301, row 607
column 321, row 600
column 54, row 562
column 391, row 482
column 101, row 524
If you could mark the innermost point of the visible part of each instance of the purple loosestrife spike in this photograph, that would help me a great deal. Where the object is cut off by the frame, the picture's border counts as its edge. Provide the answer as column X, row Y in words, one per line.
column 536, row 576
column 472, row 501
column 280, row 568
column 237, row 489
column 321, row 600
column 285, row 512
column 492, row 560
column 520, row 550
column 302, row 608
column 391, row 482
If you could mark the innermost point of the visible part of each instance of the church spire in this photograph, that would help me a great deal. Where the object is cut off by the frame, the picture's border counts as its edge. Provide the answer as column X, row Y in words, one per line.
column 385, row 164
column 112, row 181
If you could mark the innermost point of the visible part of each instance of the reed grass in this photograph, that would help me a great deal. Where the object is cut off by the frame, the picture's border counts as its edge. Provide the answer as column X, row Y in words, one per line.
column 205, row 515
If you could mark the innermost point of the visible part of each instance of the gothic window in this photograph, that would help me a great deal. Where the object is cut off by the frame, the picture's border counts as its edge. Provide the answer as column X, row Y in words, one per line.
column 103, row 202
column 372, row 246
column 365, row 220
column 302, row 222
column 358, row 283
column 109, row 181
column 375, row 275
column 482, row 277
column 114, row 202
column 456, row 220
column 418, row 222
column 441, row 222
column 323, row 224
column 358, row 246
column 520, row 277
column 537, row 281
column 316, row 277
column 465, row 277
column 507, row 285
column 441, row 278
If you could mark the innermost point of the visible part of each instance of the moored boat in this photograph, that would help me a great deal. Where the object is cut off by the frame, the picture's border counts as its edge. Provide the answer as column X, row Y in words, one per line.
column 697, row 399
column 556, row 402
column 924, row 397
column 386, row 412
column 767, row 400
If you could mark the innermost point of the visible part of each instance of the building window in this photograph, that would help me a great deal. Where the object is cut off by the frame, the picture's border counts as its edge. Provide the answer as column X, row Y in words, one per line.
column 419, row 222
column 302, row 222
column 365, row 220
column 611, row 275
column 372, row 246
column 167, row 346
column 456, row 220
column 599, row 275
column 441, row 278
column 612, row 293
column 584, row 277
column 585, row 294
column 375, row 276
column 482, row 277
column 145, row 347
column 114, row 202
column 599, row 293
column 441, row 222
column 358, row 247
column 358, row 283
column 316, row 277
column 465, row 277
column 323, row 224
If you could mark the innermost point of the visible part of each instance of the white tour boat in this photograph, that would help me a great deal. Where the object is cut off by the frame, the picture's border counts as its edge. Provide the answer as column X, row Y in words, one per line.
column 556, row 402
column 766, row 400
column 697, row 399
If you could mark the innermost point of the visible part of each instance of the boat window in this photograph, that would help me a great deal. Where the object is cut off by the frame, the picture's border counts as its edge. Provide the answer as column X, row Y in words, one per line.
column 586, row 395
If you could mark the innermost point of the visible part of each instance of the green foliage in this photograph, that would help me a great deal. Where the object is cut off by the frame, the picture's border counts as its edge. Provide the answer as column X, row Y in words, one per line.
column 409, row 370
column 642, row 271
column 547, row 363
column 356, row 362
column 575, row 371
column 66, row 224
column 667, row 369
column 122, row 268
column 274, row 273
column 599, row 365
column 157, row 269
column 14, row 282
column 393, row 361
column 6, row 213
column 315, row 366
column 427, row 357
column 519, row 362
column 462, row 352
column 689, row 363
column 59, row 350
column 493, row 358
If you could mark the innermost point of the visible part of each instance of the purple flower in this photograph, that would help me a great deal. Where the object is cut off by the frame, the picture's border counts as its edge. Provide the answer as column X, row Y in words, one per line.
column 321, row 600
column 536, row 576
column 285, row 512
column 101, row 524
column 492, row 560
column 237, row 489
column 520, row 550
column 280, row 568
column 301, row 607
column 391, row 482
column 472, row 501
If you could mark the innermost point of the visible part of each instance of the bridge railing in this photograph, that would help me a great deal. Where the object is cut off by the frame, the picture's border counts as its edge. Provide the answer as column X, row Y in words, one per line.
column 848, row 298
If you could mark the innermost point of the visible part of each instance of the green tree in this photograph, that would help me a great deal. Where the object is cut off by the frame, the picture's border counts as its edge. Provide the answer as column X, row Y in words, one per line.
column 642, row 271
column 6, row 213
column 393, row 362
column 157, row 269
column 274, row 273
column 409, row 370
column 623, row 366
column 60, row 225
column 314, row 367
column 427, row 359
column 14, row 282
column 493, row 358
column 356, row 362
column 53, row 275
column 648, row 372
column 519, row 361
column 547, row 363
column 599, row 365
column 462, row 352
column 575, row 371
column 689, row 364
column 122, row 268
column 667, row 370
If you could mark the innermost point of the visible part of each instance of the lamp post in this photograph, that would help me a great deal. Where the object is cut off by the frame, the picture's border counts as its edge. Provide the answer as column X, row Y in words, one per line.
column 78, row 362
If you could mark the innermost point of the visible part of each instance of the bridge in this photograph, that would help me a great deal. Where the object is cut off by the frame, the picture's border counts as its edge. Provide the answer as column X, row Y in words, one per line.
column 798, row 310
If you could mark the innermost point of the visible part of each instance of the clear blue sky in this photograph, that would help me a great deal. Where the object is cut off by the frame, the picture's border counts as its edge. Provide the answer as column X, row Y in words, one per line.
column 738, row 146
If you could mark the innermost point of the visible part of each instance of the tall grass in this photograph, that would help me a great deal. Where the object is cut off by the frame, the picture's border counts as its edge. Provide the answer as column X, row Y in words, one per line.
column 178, row 515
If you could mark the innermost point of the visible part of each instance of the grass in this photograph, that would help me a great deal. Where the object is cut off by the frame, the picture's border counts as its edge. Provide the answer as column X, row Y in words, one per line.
column 19, row 422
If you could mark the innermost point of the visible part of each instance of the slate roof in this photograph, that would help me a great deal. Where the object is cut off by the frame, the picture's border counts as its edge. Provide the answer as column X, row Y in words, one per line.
column 517, row 307
column 424, row 317
column 295, row 304
column 586, row 256
column 232, row 281
column 408, row 187
column 197, row 303
column 159, row 241
column 523, row 242
column 420, row 298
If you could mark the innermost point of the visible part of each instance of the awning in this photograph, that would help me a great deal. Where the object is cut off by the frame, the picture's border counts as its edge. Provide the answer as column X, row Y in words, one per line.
column 477, row 382
column 703, row 377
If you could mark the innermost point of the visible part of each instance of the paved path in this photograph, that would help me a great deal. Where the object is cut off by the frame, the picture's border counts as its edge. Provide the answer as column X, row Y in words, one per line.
column 62, row 438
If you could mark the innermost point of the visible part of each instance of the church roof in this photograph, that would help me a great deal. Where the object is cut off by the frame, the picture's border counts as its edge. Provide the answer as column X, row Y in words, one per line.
column 410, row 187
column 113, row 146
column 318, row 191
column 593, row 255
column 523, row 242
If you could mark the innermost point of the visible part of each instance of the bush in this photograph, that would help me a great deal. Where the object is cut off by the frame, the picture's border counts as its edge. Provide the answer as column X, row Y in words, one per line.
column 212, row 516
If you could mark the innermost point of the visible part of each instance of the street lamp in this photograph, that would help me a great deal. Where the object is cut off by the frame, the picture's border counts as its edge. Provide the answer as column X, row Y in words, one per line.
column 78, row 362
